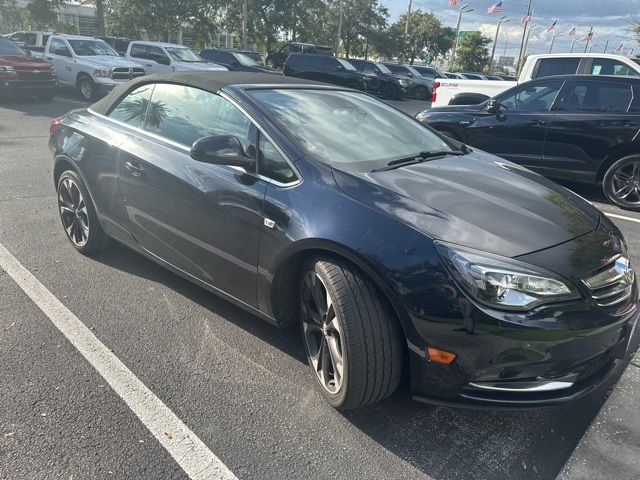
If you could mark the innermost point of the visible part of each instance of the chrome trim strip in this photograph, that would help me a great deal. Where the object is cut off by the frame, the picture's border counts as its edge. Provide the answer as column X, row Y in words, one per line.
column 612, row 292
column 528, row 386
column 617, row 300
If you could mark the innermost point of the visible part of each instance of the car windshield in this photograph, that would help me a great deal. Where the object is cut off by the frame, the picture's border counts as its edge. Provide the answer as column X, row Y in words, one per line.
column 181, row 54
column 7, row 47
column 383, row 68
column 346, row 65
column 87, row 48
column 246, row 60
column 348, row 130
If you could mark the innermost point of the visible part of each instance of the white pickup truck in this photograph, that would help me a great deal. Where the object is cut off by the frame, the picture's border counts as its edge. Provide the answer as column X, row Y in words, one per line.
column 448, row 91
column 158, row 57
column 88, row 64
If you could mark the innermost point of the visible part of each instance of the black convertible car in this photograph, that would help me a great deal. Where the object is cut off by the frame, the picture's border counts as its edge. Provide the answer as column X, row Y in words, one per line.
column 393, row 247
column 582, row 128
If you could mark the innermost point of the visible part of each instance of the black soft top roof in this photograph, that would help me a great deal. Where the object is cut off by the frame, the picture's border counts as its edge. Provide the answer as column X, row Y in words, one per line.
column 211, row 81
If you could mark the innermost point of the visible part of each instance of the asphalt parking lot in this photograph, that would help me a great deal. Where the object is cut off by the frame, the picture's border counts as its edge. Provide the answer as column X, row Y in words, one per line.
column 237, row 383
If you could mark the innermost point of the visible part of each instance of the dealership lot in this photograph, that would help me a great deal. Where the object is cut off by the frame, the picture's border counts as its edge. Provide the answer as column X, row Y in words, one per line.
column 239, row 384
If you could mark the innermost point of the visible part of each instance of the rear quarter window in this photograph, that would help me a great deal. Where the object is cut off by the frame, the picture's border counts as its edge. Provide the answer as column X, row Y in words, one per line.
column 548, row 67
column 138, row 51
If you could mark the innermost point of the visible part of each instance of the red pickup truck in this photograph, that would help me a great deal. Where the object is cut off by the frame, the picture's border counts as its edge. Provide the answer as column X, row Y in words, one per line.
column 22, row 75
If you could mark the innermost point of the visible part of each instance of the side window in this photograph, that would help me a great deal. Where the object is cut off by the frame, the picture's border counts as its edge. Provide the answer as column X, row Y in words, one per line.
column 590, row 97
column 17, row 38
column 58, row 47
column 534, row 98
column 44, row 39
column 138, row 51
column 229, row 58
column 273, row 165
column 30, row 39
column 295, row 48
column 155, row 53
column 548, row 67
column 607, row 66
column 185, row 114
column 286, row 49
column 330, row 64
column 132, row 109
column 369, row 68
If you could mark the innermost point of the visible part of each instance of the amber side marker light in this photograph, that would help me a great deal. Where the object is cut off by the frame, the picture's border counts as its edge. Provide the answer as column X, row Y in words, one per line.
column 440, row 356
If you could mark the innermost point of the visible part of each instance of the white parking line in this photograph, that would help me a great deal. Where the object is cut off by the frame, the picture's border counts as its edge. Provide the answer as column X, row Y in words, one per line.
column 182, row 444
column 74, row 102
column 621, row 217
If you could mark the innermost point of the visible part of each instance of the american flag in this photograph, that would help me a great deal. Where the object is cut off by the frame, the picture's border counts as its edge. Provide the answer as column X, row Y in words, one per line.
column 526, row 19
column 496, row 8
column 552, row 26
column 632, row 51
column 453, row 3
column 572, row 33
column 588, row 37
column 620, row 48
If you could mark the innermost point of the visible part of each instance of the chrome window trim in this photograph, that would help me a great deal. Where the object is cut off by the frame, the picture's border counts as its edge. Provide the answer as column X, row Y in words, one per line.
column 187, row 149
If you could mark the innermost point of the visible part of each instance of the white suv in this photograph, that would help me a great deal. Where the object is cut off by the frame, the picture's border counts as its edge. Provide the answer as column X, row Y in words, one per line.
column 157, row 57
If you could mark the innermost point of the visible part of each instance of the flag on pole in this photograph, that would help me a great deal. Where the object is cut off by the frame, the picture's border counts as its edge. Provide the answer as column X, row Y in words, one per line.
column 453, row 3
column 620, row 48
column 588, row 37
column 632, row 51
column 495, row 8
column 552, row 26
column 572, row 33
column 526, row 19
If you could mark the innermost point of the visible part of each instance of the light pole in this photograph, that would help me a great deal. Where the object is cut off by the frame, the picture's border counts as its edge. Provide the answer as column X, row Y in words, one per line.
column 526, row 42
column 461, row 10
column 606, row 46
column 528, row 17
column 406, row 30
column 589, row 39
column 573, row 43
column 593, row 45
column 553, row 40
column 501, row 20
column 340, row 13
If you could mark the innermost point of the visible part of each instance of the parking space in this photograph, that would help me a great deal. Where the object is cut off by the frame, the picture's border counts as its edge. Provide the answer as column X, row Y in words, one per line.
column 239, row 384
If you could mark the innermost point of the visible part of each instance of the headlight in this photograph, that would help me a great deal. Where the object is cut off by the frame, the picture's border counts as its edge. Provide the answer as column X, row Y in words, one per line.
column 102, row 72
column 504, row 283
column 404, row 83
column 7, row 69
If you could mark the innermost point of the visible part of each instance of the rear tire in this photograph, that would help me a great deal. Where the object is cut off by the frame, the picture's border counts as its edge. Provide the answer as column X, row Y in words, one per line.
column 621, row 183
column 78, row 215
column 352, row 338
column 421, row 93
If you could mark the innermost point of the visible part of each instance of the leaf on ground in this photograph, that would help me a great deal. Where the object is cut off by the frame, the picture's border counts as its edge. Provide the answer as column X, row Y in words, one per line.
column 536, row 470
column 524, row 464
column 169, row 436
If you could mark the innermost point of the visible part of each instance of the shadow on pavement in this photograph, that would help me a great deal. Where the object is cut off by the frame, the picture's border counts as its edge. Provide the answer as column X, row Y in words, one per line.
column 442, row 442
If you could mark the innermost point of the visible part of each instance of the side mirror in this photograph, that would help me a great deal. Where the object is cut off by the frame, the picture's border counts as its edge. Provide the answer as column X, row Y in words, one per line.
column 221, row 150
column 493, row 106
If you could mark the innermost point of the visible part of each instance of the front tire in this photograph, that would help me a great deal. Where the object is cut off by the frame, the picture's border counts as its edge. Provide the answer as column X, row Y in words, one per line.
column 78, row 215
column 621, row 183
column 352, row 339
column 421, row 93
column 87, row 88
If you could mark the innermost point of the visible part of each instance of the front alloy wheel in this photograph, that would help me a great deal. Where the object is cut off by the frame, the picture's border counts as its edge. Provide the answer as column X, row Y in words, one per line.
column 621, row 183
column 87, row 88
column 352, row 338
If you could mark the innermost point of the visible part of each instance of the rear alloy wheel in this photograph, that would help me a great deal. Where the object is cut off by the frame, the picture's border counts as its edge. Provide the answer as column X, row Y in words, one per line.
column 421, row 92
column 621, row 183
column 352, row 339
column 78, row 216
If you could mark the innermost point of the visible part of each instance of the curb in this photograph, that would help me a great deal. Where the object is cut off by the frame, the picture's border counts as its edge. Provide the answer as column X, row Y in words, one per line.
column 610, row 448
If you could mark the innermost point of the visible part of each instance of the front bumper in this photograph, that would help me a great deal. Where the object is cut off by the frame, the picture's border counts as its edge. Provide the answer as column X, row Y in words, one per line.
column 27, row 87
column 553, row 354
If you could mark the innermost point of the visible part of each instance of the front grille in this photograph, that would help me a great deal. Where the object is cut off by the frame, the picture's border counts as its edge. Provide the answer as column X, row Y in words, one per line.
column 126, row 73
column 613, row 284
column 24, row 74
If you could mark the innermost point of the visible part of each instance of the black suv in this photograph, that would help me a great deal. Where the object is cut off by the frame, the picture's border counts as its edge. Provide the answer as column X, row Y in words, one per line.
column 327, row 69
column 276, row 58
column 389, row 85
column 428, row 72
column 421, row 86
column 235, row 59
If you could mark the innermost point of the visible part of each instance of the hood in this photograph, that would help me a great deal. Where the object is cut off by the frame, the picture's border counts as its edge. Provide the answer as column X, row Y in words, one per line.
column 107, row 61
column 198, row 66
column 421, row 80
column 477, row 200
column 23, row 62
column 480, row 107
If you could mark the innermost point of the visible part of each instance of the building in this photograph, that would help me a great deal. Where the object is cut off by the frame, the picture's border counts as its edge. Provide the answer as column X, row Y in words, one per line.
column 504, row 62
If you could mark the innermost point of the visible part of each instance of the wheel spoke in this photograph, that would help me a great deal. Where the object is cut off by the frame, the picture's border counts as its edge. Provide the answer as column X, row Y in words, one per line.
column 66, row 210
column 635, row 171
column 325, row 359
column 624, row 191
column 319, row 297
column 336, row 358
column 622, row 177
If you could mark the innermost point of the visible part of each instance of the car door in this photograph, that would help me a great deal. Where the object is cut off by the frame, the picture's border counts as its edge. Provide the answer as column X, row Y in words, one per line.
column 597, row 116
column 155, row 55
column 517, row 131
column 202, row 219
column 138, row 54
column 59, row 55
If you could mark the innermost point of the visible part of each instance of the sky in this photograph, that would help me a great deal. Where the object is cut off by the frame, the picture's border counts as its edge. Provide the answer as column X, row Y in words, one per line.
column 611, row 20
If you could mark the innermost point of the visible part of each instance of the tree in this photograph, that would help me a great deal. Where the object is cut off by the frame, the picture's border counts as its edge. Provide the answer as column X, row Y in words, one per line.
column 361, row 20
column 11, row 17
column 472, row 53
column 428, row 37
column 43, row 13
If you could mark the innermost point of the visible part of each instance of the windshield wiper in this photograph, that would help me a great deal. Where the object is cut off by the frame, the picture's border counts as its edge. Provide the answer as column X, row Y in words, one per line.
column 422, row 157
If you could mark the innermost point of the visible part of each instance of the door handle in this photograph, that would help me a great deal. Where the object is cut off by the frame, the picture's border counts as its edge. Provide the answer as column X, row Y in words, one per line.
column 622, row 123
column 148, row 65
column 49, row 58
column 536, row 123
column 134, row 168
